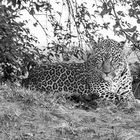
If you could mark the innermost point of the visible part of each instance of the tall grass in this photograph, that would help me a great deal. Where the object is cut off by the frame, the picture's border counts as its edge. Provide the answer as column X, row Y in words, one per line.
column 30, row 115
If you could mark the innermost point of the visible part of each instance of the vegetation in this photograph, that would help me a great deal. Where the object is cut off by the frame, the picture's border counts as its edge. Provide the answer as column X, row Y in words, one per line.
column 33, row 116
column 73, row 26
column 28, row 115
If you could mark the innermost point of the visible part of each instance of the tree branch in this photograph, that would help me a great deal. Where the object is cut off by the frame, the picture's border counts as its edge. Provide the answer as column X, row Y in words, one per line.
column 136, row 45
column 72, row 14
column 36, row 21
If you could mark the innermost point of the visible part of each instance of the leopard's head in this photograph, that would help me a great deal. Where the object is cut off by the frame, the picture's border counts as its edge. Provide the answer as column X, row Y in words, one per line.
column 109, row 58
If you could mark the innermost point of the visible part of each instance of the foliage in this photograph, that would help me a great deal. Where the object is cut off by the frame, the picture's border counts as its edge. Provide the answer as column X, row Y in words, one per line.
column 82, row 24
column 70, row 35
column 16, row 44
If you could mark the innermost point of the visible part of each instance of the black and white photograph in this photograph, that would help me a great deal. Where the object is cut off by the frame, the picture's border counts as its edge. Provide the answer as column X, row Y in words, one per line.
column 69, row 69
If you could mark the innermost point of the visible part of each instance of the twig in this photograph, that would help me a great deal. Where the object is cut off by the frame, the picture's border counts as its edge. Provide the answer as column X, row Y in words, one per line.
column 136, row 45
column 37, row 21
column 72, row 14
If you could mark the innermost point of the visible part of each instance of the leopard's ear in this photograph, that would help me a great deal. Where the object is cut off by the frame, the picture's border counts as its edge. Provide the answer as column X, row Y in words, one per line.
column 92, row 44
column 122, row 44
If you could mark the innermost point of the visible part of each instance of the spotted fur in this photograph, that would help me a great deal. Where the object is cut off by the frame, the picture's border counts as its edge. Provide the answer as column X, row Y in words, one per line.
column 105, row 74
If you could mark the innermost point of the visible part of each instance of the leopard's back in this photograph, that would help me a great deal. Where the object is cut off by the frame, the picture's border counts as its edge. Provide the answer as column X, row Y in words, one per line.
column 71, row 77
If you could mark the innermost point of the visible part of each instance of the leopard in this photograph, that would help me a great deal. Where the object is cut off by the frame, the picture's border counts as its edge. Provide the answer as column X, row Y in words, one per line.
column 105, row 74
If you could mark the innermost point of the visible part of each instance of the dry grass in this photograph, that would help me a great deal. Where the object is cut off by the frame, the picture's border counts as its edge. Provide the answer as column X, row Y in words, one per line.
column 28, row 115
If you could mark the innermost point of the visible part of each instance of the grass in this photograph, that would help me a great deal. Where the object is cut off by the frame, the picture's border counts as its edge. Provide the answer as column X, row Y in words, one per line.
column 30, row 115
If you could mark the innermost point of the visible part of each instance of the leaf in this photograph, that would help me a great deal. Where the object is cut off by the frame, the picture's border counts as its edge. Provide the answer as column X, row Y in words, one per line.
column 32, row 12
column 106, row 25
column 96, row 11
column 37, row 7
column 138, row 21
column 14, row 2
column 131, row 12
column 109, row 11
column 103, row 13
column 59, row 13
column 105, row 10
column 134, row 36
column 117, row 24
column 121, row 13
column 19, row 3
column 104, row 6
column 88, row 14
column 35, row 24
column 131, row 29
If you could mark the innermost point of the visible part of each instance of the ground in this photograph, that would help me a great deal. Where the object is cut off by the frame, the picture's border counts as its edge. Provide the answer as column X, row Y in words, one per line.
column 29, row 115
